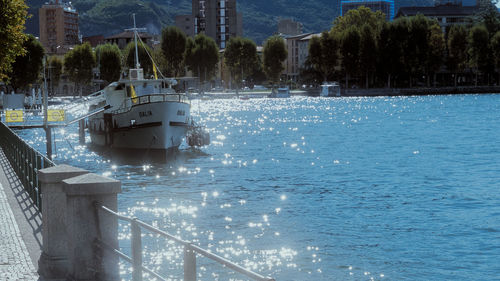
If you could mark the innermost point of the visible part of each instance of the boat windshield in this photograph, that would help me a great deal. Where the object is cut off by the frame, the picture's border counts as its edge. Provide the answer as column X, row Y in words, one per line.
column 148, row 88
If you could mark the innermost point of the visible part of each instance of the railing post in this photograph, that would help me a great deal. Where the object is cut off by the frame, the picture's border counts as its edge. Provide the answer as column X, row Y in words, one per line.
column 136, row 251
column 189, row 264
column 86, row 226
column 53, row 262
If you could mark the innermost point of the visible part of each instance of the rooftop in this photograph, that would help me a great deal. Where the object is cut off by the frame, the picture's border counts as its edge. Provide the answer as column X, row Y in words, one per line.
column 67, row 6
column 441, row 10
column 129, row 35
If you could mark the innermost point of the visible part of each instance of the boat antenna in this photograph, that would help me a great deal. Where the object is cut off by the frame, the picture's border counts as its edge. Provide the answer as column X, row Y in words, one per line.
column 137, row 64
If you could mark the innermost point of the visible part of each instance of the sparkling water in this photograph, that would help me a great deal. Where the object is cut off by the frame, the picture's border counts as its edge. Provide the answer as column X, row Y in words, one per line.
column 403, row 188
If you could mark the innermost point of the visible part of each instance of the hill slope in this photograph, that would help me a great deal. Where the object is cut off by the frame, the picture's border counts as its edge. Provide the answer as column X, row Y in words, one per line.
column 260, row 17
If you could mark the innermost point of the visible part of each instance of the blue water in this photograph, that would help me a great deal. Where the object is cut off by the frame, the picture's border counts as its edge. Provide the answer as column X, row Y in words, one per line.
column 323, row 189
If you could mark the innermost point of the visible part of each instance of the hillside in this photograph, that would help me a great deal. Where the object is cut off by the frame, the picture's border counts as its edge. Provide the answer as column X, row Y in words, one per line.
column 260, row 17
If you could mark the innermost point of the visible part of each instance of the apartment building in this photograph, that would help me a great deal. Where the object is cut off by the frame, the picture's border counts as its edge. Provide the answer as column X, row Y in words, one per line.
column 289, row 27
column 217, row 19
column 298, row 50
column 58, row 23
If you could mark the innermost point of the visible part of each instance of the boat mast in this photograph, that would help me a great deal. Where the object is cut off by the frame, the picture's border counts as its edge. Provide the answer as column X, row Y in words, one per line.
column 137, row 64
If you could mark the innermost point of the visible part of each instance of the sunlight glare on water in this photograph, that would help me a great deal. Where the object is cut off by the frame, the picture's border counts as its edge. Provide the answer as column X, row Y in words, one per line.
column 321, row 189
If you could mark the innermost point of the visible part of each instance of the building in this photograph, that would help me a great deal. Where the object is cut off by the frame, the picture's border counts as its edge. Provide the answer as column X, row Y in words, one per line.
column 289, row 27
column 94, row 40
column 217, row 19
column 303, row 45
column 122, row 39
column 292, row 65
column 447, row 14
column 385, row 6
column 58, row 23
column 186, row 24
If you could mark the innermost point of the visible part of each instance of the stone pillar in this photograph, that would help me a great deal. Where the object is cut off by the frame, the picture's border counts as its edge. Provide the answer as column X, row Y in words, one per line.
column 53, row 262
column 86, row 225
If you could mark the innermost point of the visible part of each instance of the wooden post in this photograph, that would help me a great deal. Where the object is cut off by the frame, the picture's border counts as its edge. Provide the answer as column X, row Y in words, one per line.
column 48, row 135
column 81, row 131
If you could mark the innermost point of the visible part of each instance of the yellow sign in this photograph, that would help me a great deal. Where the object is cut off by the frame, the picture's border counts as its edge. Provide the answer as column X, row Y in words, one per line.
column 55, row 115
column 14, row 116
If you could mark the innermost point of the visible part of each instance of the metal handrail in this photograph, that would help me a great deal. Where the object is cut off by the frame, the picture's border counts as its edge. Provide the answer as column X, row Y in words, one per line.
column 140, row 100
column 190, row 251
column 26, row 162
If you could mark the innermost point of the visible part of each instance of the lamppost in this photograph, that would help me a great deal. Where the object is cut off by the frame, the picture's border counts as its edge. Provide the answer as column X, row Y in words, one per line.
column 48, row 130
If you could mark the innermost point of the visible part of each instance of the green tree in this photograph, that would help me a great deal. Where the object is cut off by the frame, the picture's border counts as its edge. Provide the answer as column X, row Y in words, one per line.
column 258, row 76
column 349, row 50
column 324, row 54
column 54, row 72
column 109, row 60
column 173, row 46
column 418, row 46
column 488, row 15
column 144, row 60
column 392, row 45
column 479, row 50
column 457, row 50
column 202, row 56
column 274, row 54
column 437, row 49
column 495, row 46
column 161, row 62
column 241, row 58
column 358, row 18
column 368, row 52
column 13, row 14
column 26, row 68
column 78, row 65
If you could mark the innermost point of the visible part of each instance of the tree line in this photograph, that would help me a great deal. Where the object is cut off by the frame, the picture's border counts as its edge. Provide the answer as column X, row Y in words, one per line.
column 363, row 48
column 23, row 58
column 172, row 57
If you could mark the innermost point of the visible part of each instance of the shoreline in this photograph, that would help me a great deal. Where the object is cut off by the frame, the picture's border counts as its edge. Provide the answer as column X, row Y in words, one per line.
column 421, row 91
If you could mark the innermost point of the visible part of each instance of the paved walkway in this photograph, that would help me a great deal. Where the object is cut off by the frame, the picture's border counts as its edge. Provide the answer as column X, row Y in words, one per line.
column 16, row 214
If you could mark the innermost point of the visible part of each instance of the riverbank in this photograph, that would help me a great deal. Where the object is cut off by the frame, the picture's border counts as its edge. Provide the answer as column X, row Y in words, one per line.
column 374, row 92
column 420, row 91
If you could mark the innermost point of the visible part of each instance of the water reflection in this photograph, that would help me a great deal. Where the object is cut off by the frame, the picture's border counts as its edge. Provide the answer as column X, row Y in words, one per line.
column 173, row 156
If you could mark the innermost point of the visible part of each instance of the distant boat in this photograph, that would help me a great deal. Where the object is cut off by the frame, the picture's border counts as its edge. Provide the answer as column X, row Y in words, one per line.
column 280, row 93
column 330, row 89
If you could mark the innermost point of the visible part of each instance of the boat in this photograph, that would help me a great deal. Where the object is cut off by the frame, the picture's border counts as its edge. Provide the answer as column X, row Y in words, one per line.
column 143, row 114
column 330, row 89
column 280, row 93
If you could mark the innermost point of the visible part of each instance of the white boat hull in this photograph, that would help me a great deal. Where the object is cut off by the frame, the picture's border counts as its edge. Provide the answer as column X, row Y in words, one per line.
column 151, row 126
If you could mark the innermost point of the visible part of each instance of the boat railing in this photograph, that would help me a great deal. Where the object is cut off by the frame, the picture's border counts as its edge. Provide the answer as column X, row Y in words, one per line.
column 190, row 251
column 146, row 99
column 26, row 162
